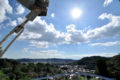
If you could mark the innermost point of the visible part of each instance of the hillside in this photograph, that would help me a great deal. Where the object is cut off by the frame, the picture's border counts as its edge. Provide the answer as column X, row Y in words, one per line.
column 114, row 67
column 89, row 62
column 111, row 66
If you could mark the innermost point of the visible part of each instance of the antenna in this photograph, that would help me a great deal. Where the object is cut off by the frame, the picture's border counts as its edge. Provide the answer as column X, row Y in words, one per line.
column 37, row 8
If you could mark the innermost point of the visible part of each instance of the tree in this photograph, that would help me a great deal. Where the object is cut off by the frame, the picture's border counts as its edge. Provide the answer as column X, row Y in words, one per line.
column 3, row 76
column 39, row 67
column 0, row 48
column 89, row 62
column 14, row 70
column 31, row 67
column 101, row 67
column 12, row 76
column 114, row 67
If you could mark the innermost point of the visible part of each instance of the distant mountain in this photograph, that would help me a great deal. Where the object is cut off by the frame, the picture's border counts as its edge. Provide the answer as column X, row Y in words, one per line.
column 89, row 62
column 52, row 60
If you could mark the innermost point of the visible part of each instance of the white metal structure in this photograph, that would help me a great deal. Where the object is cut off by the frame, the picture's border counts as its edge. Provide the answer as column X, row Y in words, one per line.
column 94, row 76
column 37, row 8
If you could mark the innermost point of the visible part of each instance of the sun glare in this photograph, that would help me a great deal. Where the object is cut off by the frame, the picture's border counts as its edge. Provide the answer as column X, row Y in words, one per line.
column 76, row 13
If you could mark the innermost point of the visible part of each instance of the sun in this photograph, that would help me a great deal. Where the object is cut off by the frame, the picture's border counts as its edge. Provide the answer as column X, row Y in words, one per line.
column 76, row 13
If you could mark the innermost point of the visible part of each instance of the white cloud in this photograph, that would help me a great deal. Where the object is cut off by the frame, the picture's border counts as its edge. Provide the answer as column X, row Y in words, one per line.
column 107, row 2
column 39, row 31
column 63, row 55
column 75, row 36
column 52, row 15
column 109, row 30
column 104, row 16
column 20, row 20
column 47, row 54
column 99, row 54
column 26, row 49
column 13, row 23
column 30, row 35
column 20, row 10
column 5, row 7
column 79, row 56
column 39, row 44
column 106, row 44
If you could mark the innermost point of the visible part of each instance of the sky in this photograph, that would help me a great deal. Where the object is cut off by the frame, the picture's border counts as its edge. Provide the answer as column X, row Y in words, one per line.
column 72, row 29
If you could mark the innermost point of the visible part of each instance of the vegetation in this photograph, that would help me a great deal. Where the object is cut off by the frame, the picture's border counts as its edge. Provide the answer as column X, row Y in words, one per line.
column 89, row 62
column 101, row 67
column 13, row 70
column 114, row 67
column 109, row 67
column 0, row 48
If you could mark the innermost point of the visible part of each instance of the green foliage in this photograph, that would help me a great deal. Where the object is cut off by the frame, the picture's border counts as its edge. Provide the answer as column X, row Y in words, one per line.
column 89, row 62
column 114, row 66
column 3, row 76
column 101, row 67
column 110, row 67
column 26, row 78
column 13, row 70
column 0, row 48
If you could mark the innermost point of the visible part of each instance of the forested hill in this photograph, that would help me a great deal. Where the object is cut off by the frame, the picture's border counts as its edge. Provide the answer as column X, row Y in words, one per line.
column 89, row 62
column 109, row 67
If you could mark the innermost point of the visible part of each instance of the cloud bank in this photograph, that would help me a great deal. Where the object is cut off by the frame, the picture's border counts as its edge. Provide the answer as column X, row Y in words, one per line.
column 20, row 10
column 106, row 44
column 5, row 8
column 107, row 2
column 41, row 34
column 60, row 54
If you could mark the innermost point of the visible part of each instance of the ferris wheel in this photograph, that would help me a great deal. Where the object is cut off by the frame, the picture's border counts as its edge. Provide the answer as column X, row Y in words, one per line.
column 37, row 8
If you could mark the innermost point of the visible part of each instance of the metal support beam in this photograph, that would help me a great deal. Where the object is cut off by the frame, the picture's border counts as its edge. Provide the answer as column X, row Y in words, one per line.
column 18, row 30
column 37, row 8
column 3, row 52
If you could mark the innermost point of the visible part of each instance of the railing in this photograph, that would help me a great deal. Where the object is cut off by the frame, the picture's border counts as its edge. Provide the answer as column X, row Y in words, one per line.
column 85, row 75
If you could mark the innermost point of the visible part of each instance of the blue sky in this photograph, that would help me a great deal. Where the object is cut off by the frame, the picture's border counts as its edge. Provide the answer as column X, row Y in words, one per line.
column 58, row 35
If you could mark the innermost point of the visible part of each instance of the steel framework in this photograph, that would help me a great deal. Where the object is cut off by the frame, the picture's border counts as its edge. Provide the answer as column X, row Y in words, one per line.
column 37, row 8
